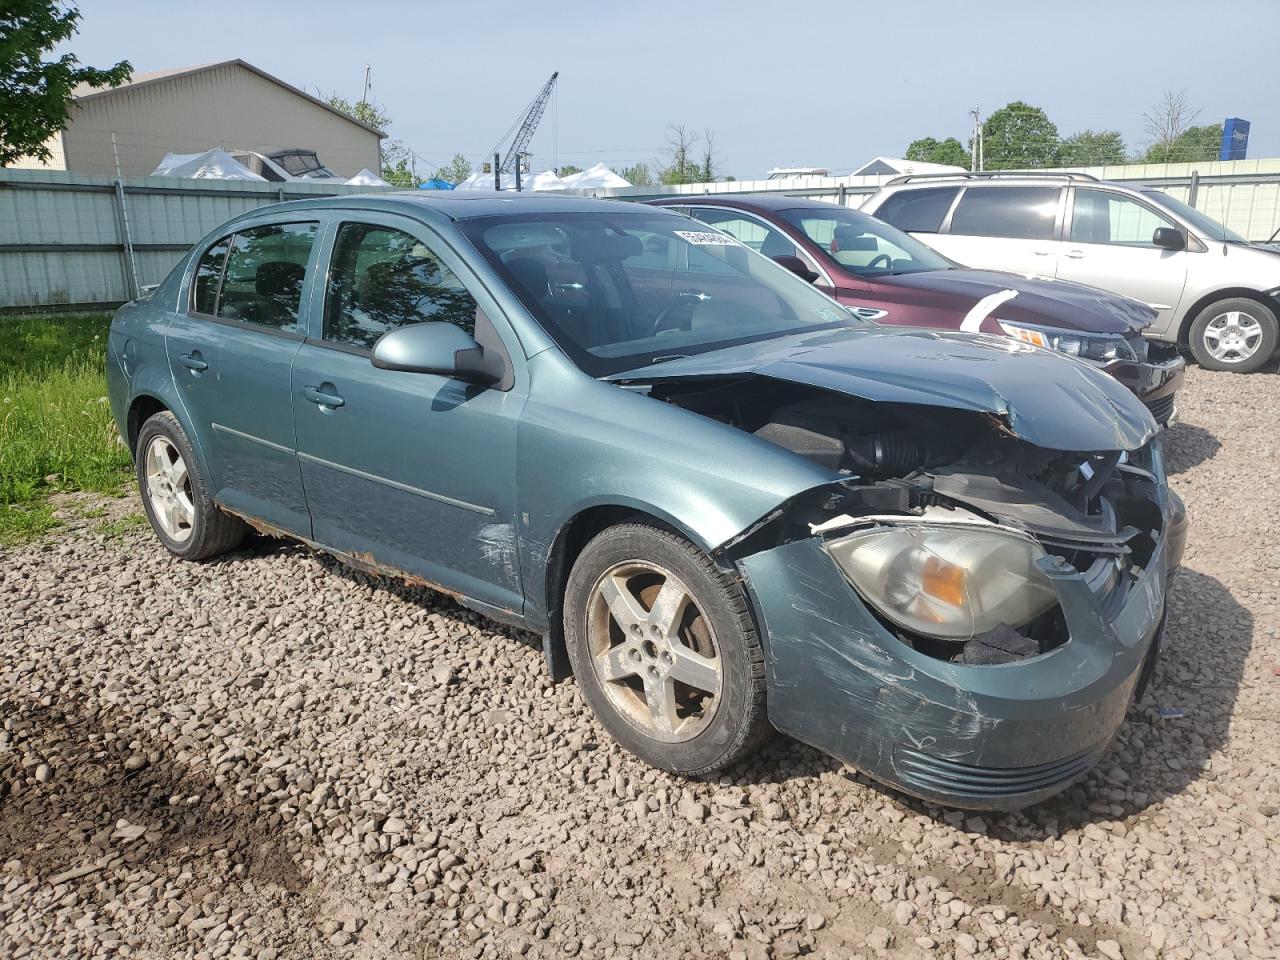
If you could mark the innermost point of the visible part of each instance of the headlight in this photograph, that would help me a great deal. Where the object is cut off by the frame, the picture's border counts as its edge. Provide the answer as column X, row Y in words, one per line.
column 944, row 580
column 1078, row 345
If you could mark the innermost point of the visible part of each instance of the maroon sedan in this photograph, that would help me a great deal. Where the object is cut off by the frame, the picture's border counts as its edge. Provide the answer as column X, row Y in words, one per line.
column 886, row 275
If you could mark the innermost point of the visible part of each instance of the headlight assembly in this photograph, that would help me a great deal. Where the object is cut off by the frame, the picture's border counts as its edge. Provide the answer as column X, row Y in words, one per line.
column 1077, row 345
column 948, row 581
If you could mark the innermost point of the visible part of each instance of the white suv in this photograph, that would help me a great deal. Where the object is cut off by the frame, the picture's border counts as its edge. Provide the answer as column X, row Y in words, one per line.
column 1215, row 292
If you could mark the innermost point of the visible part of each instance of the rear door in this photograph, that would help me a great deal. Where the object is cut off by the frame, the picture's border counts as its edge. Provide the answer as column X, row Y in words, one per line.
column 409, row 471
column 1004, row 227
column 1108, row 245
column 230, row 352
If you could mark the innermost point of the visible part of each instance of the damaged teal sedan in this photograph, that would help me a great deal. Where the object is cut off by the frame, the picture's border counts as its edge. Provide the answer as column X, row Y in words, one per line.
column 725, row 502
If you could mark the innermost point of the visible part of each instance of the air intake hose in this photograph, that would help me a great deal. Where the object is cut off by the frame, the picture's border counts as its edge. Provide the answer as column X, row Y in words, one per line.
column 886, row 454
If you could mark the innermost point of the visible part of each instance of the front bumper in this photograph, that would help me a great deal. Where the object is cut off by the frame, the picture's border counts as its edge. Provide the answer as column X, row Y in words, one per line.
column 984, row 737
column 1154, row 381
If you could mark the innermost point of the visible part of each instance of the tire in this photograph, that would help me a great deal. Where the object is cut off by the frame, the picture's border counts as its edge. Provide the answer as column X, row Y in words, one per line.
column 1239, row 320
column 176, row 499
column 676, row 726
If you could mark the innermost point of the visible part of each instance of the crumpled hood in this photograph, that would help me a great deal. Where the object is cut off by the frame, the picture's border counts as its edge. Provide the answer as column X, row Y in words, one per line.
column 1044, row 397
column 1051, row 303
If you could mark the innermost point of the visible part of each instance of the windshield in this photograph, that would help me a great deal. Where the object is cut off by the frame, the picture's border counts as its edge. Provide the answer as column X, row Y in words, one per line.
column 863, row 245
column 1204, row 224
column 620, row 290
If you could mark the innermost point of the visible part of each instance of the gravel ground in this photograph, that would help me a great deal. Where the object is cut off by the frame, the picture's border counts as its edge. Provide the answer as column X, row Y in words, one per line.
column 273, row 756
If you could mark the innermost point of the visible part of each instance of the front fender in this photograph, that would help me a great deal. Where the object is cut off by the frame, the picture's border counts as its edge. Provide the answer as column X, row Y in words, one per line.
column 585, row 444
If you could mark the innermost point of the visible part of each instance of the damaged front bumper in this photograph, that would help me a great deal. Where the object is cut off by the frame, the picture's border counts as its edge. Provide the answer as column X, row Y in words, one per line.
column 1154, row 381
column 993, row 736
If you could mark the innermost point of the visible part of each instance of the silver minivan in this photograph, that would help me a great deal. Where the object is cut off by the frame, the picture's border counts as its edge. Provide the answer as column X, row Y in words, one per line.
column 1214, row 292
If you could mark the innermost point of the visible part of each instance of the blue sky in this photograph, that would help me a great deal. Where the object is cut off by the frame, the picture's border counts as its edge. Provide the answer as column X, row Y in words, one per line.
column 778, row 84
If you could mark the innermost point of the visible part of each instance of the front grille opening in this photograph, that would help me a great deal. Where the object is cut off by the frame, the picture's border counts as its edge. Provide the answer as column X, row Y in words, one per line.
column 1004, row 644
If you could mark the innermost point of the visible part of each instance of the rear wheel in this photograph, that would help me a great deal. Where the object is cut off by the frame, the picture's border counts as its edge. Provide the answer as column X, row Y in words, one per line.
column 176, row 495
column 664, row 650
column 1237, row 334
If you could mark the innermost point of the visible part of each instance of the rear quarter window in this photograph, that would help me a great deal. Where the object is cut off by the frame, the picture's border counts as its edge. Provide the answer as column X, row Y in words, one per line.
column 918, row 211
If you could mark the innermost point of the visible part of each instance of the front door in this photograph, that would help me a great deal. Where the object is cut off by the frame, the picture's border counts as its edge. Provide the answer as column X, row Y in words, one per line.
column 230, row 351
column 1109, row 246
column 407, row 471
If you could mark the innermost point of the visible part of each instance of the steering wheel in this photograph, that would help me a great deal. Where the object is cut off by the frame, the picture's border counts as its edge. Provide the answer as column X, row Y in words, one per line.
column 888, row 261
column 682, row 299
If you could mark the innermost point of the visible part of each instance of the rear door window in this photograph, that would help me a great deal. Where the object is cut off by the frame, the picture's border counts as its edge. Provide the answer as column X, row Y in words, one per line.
column 204, row 295
column 1017, row 213
column 263, row 276
column 381, row 278
column 918, row 211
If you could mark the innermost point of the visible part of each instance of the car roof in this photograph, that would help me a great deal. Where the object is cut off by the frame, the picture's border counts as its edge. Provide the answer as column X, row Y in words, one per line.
column 451, row 205
column 773, row 203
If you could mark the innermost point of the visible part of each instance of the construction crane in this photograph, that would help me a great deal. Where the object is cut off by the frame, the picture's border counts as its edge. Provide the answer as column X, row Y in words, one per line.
column 528, row 125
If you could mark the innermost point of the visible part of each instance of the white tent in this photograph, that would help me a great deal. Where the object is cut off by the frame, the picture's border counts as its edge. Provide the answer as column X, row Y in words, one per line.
column 215, row 164
column 594, row 178
column 367, row 178
column 546, row 180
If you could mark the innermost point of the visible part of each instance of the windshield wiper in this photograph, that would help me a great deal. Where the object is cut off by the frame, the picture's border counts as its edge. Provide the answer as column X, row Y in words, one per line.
column 668, row 356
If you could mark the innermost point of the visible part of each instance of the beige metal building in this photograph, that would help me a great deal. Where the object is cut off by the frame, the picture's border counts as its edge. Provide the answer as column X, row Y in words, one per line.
column 231, row 104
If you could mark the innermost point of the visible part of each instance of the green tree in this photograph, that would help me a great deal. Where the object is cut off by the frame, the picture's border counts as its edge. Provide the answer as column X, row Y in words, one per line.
column 1092, row 148
column 681, row 166
column 456, row 170
column 1192, row 145
column 35, row 93
column 567, row 170
column 1019, row 136
column 397, row 158
column 928, row 150
column 638, row 175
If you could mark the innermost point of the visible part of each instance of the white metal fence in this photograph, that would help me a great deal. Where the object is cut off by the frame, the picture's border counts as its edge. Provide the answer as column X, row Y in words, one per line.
column 76, row 242
column 70, row 241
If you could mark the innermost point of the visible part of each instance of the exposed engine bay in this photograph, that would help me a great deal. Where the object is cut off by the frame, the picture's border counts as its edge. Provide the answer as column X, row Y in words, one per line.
column 1098, row 514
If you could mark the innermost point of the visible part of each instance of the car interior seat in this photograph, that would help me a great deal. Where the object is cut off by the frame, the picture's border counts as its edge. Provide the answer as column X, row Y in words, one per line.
column 278, row 284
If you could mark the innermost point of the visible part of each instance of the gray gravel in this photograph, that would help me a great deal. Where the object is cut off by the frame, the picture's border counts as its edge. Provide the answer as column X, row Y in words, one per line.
column 272, row 756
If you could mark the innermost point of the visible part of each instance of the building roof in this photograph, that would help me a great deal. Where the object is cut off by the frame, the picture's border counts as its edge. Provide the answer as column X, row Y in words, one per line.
column 900, row 165
column 86, row 92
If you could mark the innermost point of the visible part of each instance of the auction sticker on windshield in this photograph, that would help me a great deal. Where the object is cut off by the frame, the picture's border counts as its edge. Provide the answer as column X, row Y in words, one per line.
column 707, row 238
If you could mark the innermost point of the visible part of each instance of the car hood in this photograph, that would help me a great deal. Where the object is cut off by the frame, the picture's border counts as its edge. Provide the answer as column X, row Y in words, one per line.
column 1051, row 303
column 1044, row 397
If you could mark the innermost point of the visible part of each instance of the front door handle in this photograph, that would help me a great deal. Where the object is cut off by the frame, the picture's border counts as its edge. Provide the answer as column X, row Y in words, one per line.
column 1042, row 253
column 192, row 361
column 1075, row 254
column 322, row 397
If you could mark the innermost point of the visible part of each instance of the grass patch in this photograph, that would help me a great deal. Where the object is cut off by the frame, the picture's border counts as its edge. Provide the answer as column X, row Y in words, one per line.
column 115, row 529
column 56, row 431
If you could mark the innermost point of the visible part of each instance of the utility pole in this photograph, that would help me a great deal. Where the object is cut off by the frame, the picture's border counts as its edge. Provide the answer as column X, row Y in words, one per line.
column 364, row 97
column 975, row 146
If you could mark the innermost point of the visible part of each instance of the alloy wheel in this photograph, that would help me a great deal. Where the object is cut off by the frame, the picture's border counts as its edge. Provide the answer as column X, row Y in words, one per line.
column 169, row 489
column 1233, row 337
column 654, row 651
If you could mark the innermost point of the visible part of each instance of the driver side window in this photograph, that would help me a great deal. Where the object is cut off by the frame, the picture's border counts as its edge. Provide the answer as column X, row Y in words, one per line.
column 756, row 234
column 381, row 278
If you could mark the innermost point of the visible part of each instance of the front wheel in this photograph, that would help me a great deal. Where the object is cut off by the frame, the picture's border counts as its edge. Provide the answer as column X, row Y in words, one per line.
column 665, row 651
column 1237, row 334
column 176, row 495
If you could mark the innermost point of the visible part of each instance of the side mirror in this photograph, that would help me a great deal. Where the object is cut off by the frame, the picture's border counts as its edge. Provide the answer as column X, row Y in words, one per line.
column 435, row 347
column 796, row 266
column 1169, row 239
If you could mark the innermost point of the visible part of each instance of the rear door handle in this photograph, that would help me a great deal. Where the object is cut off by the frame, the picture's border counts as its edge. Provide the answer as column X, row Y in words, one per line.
column 322, row 397
column 1075, row 254
column 1042, row 253
column 192, row 361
